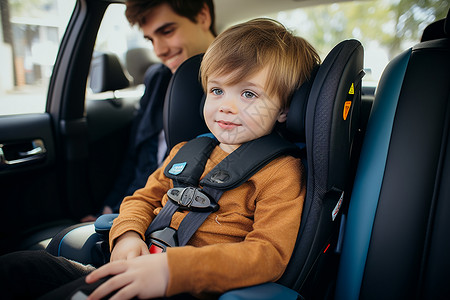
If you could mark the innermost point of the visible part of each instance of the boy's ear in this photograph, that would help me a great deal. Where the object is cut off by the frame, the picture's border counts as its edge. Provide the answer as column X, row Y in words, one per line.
column 204, row 17
column 283, row 115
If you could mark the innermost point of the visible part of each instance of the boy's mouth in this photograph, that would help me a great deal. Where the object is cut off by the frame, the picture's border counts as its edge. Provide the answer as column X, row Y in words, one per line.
column 227, row 125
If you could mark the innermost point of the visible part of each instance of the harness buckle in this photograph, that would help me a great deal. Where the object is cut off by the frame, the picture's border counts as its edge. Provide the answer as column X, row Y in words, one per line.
column 193, row 199
column 161, row 239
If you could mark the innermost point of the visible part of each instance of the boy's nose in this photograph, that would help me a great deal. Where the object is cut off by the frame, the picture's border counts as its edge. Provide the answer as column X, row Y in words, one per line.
column 228, row 106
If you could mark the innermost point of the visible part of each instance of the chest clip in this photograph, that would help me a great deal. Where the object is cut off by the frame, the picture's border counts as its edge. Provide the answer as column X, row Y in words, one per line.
column 192, row 199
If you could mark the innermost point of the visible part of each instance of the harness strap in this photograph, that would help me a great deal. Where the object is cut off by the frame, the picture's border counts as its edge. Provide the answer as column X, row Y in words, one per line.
column 246, row 160
column 185, row 169
column 194, row 220
column 162, row 220
column 188, row 165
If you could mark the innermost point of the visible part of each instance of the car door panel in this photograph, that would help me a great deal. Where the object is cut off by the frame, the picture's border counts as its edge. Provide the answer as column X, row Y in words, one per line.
column 28, row 176
column 84, row 142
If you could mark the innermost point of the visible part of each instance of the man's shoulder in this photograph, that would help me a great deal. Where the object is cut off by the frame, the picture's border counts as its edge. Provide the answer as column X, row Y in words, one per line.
column 157, row 70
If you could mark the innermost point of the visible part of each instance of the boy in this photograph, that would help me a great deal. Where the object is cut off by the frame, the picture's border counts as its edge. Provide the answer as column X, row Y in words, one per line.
column 248, row 73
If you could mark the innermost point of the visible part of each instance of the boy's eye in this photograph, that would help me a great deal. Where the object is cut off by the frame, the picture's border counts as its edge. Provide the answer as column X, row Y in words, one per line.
column 249, row 95
column 217, row 92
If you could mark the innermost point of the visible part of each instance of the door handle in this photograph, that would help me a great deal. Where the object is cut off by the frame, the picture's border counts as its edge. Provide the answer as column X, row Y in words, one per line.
column 18, row 153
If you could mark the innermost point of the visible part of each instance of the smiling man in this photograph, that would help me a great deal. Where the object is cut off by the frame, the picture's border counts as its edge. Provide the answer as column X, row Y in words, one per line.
column 178, row 30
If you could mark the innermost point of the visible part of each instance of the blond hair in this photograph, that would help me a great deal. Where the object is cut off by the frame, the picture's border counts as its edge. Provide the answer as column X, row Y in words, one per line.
column 247, row 48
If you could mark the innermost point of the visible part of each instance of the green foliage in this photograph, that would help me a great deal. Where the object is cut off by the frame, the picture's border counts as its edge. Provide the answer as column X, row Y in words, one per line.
column 392, row 23
column 30, row 8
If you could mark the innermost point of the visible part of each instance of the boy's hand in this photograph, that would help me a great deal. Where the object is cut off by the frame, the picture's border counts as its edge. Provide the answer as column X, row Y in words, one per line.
column 143, row 277
column 129, row 245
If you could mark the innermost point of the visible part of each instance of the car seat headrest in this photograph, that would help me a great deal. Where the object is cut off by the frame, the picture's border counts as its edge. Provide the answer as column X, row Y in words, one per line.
column 107, row 73
column 181, row 117
column 294, row 129
column 333, row 111
column 437, row 30
column 138, row 60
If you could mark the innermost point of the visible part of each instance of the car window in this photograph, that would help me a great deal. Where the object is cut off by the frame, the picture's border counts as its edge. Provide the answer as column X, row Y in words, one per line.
column 31, row 32
column 384, row 27
column 117, row 36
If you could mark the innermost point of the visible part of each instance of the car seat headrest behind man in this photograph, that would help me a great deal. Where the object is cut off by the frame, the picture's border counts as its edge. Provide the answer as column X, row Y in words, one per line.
column 138, row 60
column 107, row 73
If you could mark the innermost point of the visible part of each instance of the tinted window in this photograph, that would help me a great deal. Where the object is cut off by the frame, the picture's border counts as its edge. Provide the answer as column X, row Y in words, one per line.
column 30, row 34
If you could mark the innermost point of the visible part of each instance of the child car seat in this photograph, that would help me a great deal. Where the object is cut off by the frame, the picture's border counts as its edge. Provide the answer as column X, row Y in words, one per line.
column 397, row 237
column 323, row 115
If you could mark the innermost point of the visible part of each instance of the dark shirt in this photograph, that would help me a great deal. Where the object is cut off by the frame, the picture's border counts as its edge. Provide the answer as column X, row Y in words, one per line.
column 141, row 157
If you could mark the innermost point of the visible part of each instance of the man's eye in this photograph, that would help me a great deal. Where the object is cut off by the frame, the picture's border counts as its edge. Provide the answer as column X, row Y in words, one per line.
column 249, row 95
column 217, row 92
column 168, row 31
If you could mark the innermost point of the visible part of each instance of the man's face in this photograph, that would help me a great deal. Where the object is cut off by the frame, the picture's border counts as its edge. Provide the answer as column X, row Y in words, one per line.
column 176, row 38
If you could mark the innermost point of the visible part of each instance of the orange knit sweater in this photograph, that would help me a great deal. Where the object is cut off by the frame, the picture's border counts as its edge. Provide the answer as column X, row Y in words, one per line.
column 248, row 241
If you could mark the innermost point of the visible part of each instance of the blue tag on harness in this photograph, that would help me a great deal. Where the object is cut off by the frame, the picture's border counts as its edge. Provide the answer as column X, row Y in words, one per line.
column 177, row 168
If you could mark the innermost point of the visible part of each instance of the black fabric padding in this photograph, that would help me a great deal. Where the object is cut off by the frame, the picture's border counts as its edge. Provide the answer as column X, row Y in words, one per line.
column 182, row 121
column 405, row 252
column 326, row 132
column 436, row 271
column 295, row 125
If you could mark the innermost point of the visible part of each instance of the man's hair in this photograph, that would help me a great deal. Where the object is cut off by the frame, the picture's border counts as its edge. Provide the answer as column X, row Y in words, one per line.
column 247, row 48
column 137, row 10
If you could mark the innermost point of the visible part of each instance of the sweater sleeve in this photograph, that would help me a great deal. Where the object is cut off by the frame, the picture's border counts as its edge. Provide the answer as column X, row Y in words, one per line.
column 138, row 210
column 264, row 253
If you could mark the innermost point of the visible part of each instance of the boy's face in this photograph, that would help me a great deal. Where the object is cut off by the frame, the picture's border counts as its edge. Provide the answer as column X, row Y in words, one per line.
column 176, row 38
column 239, row 113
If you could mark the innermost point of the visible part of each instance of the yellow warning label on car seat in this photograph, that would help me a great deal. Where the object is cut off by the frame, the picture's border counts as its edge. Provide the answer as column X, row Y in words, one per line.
column 352, row 90
column 346, row 110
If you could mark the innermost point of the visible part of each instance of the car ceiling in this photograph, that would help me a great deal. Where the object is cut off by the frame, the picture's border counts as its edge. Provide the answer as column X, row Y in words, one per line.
column 229, row 12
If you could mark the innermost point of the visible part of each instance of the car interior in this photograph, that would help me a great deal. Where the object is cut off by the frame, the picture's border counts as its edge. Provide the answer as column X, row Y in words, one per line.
column 374, row 223
column 335, row 84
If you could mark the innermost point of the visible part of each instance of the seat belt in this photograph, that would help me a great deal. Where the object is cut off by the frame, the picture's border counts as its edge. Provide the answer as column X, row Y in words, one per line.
column 185, row 170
